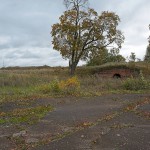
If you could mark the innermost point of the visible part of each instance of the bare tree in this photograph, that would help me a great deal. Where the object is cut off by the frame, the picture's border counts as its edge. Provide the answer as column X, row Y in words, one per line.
column 75, row 4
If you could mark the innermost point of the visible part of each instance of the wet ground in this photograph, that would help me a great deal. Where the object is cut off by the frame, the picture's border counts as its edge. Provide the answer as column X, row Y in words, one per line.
column 111, row 122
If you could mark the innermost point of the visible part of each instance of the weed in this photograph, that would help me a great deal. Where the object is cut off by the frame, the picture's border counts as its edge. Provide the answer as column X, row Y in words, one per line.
column 17, row 84
column 136, row 83
column 54, row 86
column 29, row 115
column 109, row 117
column 70, row 86
column 132, row 107
column 120, row 126
column 85, row 124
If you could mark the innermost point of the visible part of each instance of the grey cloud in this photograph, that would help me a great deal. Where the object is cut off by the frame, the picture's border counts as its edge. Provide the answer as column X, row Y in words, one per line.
column 28, row 22
column 31, row 57
column 25, row 29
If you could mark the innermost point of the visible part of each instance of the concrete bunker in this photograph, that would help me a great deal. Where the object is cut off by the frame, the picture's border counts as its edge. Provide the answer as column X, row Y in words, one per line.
column 116, row 72
column 117, row 76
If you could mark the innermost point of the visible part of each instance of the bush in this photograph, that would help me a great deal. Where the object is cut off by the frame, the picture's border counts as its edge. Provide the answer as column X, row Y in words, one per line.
column 67, row 87
column 53, row 86
column 136, row 83
column 44, row 88
column 70, row 86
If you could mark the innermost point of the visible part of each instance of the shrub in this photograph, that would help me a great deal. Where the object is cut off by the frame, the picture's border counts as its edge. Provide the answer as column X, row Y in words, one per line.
column 70, row 86
column 136, row 83
column 44, row 88
column 53, row 86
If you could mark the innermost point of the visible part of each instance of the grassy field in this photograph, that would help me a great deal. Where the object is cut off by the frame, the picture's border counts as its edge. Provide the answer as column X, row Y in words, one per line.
column 21, row 88
column 41, row 82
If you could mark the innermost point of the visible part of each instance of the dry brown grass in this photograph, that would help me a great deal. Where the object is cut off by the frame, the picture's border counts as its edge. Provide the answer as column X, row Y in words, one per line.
column 24, row 83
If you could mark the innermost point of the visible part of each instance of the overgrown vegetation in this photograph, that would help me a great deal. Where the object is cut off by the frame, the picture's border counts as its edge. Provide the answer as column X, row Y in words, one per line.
column 28, row 115
column 25, row 84
column 139, row 83
column 69, row 86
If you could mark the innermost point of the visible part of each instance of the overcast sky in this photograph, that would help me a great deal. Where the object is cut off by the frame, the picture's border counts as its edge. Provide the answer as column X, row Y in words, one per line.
column 25, row 27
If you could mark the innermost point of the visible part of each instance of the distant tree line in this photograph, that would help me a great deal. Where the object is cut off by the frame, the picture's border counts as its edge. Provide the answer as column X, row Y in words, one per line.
column 147, row 55
column 104, row 56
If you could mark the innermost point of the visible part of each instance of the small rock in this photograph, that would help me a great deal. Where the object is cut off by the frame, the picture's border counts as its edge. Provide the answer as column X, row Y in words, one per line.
column 21, row 133
column 32, row 140
column 67, row 129
column 16, row 135
column 4, row 135
column 118, row 135
column 82, row 136
column 105, row 130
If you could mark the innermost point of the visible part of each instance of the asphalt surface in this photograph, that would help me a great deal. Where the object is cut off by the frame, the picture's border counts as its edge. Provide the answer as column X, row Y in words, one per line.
column 96, row 123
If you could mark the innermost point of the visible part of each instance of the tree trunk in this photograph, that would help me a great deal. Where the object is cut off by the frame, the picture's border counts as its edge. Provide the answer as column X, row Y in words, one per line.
column 72, row 69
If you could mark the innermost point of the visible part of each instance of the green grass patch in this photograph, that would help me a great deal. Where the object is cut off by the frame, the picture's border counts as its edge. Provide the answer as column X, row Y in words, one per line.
column 26, row 115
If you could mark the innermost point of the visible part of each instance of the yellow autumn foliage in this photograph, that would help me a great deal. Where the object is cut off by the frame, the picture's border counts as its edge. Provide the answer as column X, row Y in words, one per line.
column 70, row 86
